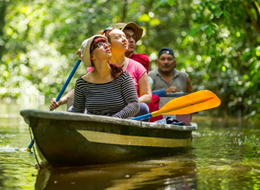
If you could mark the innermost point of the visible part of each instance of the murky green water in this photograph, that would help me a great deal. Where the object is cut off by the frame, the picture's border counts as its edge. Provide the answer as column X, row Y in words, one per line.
column 218, row 159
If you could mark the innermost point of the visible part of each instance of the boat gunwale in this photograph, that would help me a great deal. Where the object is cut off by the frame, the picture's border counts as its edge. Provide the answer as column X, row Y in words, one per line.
column 62, row 115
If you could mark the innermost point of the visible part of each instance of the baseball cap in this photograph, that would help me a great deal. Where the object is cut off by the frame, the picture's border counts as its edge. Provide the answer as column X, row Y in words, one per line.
column 137, row 30
column 165, row 50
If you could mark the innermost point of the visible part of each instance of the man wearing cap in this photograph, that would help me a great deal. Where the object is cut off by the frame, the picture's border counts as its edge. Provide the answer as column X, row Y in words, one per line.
column 166, row 77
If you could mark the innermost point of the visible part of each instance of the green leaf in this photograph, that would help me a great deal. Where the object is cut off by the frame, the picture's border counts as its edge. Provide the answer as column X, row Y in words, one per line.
column 144, row 18
column 158, row 4
column 209, row 31
column 246, row 55
column 226, row 14
column 163, row 2
column 253, row 14
column 171, row 2
column 155, row 22
column 203, row 27
column 257, row 52
column 218, row 13
column 245, row 77
column 213, row 25
column 194, row 31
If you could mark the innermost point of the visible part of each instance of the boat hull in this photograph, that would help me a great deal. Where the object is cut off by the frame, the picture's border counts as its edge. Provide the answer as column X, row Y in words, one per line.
column 69, row 139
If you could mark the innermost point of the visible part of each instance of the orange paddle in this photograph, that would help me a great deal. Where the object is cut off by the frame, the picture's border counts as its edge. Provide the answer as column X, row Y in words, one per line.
column 194, row 102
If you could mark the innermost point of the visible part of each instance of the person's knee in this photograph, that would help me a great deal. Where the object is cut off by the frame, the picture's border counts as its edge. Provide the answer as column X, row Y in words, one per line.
column 144, row 109
column 70, row 109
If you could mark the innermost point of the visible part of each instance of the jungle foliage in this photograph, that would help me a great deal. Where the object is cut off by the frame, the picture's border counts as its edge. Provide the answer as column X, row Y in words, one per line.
column 216, row 42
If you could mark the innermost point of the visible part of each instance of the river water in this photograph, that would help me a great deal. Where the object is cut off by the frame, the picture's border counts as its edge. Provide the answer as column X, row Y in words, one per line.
column 217, row 159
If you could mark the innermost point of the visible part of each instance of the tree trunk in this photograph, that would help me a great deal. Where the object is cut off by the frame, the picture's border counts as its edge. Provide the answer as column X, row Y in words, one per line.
column 3, row 6
column 255, row 22
column 124, row 10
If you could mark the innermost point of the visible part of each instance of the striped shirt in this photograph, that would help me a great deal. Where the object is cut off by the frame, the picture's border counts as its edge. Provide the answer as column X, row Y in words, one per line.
column 117, row 98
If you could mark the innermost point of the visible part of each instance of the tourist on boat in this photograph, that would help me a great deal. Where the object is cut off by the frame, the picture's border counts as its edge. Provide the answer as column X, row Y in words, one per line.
column 133, row 33
column 135, row 69
column 108, row 89
column 166, row 78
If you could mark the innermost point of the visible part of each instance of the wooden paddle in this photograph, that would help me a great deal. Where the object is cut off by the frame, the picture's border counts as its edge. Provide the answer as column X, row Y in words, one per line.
column 194, row 102
column 60, row 94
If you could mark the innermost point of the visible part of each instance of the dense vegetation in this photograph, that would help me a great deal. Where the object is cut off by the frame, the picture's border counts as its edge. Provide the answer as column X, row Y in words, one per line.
column 216, row 41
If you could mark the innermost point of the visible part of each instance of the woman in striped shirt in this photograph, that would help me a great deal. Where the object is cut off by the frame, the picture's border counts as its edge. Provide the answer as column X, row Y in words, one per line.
column 135, row 69
column 107, row 90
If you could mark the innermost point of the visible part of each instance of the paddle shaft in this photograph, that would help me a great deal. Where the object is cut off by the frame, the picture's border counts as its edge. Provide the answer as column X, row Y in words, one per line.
column 68, row 80
column 61, row 92
column 142, row 117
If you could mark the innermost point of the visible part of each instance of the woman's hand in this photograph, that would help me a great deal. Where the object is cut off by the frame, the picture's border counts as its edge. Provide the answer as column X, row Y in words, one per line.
column 63, row 100
column 54, row 105
column 79, row 53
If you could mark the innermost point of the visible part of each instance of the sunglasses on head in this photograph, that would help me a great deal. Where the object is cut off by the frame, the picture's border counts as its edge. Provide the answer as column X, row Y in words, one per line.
column 107, row 30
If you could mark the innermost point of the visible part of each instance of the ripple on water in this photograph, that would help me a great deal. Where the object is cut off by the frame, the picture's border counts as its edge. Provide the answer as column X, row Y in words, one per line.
column 11, row 149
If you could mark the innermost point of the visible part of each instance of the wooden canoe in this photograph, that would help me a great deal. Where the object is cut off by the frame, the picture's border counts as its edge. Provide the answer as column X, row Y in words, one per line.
column 70, row 139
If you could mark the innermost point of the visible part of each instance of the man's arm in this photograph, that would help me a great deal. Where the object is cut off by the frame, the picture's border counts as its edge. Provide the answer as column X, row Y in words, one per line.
column 188, row 86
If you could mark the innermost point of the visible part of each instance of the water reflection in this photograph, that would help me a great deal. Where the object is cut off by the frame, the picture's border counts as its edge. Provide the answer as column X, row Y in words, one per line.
column 218, row 160
column 17, row 169
column 165, row 173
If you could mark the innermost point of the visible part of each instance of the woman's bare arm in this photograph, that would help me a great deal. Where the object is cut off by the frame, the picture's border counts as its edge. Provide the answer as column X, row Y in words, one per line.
column 144, row 89
column 54, row 105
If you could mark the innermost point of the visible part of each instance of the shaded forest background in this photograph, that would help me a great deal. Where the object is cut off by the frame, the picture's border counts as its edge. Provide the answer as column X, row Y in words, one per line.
column 216, row 42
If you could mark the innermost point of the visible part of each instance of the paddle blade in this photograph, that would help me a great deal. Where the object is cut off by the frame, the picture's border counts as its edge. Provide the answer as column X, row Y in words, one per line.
column 205, row 105
column 194, row 102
